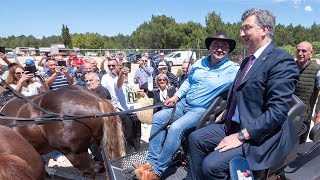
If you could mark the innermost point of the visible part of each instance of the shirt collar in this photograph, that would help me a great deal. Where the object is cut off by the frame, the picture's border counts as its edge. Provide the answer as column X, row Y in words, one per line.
column 219, row 64
column 260, row 50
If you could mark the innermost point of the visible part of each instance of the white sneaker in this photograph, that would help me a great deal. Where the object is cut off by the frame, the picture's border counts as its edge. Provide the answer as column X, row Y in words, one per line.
column 61, row 158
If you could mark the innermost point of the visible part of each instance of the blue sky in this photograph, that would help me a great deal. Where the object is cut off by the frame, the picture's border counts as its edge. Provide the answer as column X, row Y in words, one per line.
column 45, row 18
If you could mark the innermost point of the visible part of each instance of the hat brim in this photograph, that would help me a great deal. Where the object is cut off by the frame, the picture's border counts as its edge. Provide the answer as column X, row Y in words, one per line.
column 232, row 43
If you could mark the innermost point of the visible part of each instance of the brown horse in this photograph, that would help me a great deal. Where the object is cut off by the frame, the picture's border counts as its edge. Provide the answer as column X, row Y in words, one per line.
column 71, row 137
column 18, row 159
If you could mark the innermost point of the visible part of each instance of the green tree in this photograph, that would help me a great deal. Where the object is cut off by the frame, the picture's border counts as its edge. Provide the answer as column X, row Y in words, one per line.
column 213, row 23
column 155, row 34
column 66, row 38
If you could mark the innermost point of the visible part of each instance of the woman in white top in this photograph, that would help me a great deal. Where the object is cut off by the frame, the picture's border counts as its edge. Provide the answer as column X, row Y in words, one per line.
column 25, row 83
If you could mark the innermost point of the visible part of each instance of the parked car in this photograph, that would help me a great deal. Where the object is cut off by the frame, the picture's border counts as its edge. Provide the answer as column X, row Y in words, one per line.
column 91, row 54
column 134, row 58
column 9, row 55
column 177, row 57
column 80, row 55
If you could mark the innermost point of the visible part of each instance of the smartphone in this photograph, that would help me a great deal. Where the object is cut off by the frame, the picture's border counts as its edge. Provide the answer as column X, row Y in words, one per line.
column 62, row 63
column 128, row 65
column 30, row 69
column 3, row 50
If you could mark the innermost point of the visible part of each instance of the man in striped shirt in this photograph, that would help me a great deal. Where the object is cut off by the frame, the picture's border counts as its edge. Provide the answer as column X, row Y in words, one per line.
column 57, row 76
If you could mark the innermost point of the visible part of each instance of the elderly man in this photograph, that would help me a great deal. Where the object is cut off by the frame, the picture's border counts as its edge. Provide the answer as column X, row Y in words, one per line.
column 307, row 88
column 95, row 68
column 143, row 74
column 163, row 68
column 156, row 64
column 208, row 78
column 185, row 69
column 255, row 125
column 57, row 76
column 93, row 83
column 86, row 68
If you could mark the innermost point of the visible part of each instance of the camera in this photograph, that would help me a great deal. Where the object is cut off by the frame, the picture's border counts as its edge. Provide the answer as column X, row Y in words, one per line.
column 62, row 63
column 128, row 65
column 3, row 50
column 30, row 69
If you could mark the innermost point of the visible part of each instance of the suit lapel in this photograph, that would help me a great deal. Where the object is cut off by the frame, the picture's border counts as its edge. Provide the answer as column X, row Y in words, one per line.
column 264, row 55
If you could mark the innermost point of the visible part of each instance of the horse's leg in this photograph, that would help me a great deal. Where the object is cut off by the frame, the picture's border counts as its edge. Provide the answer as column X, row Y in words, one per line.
column 84, row 163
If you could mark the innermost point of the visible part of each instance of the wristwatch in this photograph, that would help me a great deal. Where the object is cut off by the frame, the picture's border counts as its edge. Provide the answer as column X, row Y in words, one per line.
column 241, row 137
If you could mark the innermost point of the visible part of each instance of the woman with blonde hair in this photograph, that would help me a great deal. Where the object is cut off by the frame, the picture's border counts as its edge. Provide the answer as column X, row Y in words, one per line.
column 163, row 91
column 23, row 82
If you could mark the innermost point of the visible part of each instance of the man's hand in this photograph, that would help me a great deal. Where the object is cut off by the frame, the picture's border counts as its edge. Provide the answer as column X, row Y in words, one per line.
column 124, row 71
column 171, row 101
column 229, row 142
column 25, row 77
column 64, row 69
column 2, row 56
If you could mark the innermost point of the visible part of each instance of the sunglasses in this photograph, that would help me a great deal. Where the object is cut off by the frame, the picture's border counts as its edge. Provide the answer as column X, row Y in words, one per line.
column 111, row 65
column 162, row 80
column 18, row 73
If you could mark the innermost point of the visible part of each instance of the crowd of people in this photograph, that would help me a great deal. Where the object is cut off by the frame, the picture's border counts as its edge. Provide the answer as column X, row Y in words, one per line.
column 254, row 124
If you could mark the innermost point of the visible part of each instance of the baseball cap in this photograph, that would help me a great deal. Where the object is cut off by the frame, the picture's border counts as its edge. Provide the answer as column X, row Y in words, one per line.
column 29, row 62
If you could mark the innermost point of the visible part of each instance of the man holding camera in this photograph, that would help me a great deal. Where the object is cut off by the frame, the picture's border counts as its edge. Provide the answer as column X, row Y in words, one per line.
column 57, row 76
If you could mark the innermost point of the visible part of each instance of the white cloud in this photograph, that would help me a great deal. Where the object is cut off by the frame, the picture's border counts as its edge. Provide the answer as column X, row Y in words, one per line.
column 308, row 8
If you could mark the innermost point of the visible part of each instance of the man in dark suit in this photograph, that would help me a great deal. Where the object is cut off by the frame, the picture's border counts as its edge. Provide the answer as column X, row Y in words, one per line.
column 255, row 125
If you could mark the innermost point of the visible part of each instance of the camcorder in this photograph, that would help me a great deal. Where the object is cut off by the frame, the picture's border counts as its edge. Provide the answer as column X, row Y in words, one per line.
column 62, row 63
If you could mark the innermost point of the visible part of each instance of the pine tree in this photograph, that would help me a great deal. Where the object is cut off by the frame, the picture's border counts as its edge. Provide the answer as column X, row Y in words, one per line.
column 66, row 38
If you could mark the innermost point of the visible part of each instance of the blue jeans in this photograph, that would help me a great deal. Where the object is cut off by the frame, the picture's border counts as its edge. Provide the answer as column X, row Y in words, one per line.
column 163, row 147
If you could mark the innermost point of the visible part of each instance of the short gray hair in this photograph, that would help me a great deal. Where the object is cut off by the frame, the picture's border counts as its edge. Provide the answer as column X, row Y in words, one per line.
column 94, row 75
column 164, row 76
column 263, row 18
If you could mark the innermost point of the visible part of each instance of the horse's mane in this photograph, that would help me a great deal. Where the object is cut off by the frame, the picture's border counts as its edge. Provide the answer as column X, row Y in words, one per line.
column 13, row 167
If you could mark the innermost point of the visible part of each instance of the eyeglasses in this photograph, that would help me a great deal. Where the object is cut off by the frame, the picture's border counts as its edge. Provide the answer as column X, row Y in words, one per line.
column 162, row 80
column 247, row 28
column 222, row 47
column 111, row 65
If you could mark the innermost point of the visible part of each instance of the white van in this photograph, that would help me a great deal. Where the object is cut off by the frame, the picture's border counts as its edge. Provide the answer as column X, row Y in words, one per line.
column 177, row 57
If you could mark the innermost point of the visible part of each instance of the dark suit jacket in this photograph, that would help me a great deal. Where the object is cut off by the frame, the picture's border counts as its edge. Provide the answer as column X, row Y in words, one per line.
column 156, row 96
column 263, row 100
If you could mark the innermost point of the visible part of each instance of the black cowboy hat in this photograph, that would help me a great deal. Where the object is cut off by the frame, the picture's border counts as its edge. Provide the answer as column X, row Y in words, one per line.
column 221, row 35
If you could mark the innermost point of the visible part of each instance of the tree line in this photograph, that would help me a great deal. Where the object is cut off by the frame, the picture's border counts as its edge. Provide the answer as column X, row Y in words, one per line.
column 163, row 32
